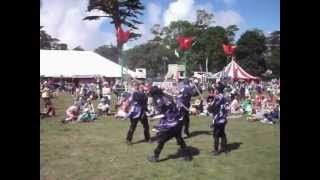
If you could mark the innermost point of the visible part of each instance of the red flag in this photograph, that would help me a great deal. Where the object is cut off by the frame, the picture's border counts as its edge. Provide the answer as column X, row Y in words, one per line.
column 229, row 49
column 122, row 37
column 184, row 42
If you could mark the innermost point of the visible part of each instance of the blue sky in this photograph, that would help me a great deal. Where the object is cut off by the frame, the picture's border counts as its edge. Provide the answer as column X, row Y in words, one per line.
column 63, row 19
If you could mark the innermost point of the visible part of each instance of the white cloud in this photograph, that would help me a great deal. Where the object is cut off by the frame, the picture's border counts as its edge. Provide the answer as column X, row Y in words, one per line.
column 179, row 10
column 63, row 20
column 154, row 13
column 228, row 17
column 187, row 10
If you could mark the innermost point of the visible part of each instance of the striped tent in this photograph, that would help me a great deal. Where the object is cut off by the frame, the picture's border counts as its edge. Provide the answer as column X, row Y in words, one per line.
column 234, row 71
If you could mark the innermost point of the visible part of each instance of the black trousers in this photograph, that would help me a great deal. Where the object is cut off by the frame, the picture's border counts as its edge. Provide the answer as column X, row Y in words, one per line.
column 133, row 124
column 186, row 121
column 165, row 136
column 219, row 132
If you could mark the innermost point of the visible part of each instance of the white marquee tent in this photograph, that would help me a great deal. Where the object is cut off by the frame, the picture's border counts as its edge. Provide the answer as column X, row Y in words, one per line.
column 68, row 63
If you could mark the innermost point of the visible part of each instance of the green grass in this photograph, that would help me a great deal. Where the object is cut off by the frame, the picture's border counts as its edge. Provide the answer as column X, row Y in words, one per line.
column 97, row 151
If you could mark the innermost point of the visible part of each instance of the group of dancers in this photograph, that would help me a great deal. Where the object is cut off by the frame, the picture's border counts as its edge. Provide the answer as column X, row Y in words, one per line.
column 174, row 110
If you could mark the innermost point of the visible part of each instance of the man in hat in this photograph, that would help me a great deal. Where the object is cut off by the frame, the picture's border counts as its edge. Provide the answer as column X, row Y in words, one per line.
column 138, row 101
column 219, row 109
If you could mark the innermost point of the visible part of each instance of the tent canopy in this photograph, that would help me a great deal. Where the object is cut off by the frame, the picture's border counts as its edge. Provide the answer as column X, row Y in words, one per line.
column 68, row 63
column 234, row 71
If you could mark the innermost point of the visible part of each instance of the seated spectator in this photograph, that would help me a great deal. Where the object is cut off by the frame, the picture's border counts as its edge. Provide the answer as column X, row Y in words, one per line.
column 72, row 112
column 197, row 107
column 258, row 101
column 49, row 110
column 235, row 106
column 88, row 113
column 86, row 116
column 103, row 107
column 247, row 106
column 124, row 105
column 106, row 92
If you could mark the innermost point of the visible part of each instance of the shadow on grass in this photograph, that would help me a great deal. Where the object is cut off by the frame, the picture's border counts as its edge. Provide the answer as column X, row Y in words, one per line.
column 233, row 146
column 191, row 150
column 197, row 133
column 140, row 141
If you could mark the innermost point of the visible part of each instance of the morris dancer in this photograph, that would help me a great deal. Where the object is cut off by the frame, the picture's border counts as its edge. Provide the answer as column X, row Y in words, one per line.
column 138, row 102
column 170, row 126
column 185, row 97
column 219, row 109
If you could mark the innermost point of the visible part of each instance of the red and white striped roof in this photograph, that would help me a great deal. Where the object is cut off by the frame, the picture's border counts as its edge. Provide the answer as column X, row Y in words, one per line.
column 234, row 71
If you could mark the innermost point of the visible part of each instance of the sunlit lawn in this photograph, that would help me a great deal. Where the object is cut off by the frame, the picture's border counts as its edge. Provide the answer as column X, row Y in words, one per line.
column 97, row 151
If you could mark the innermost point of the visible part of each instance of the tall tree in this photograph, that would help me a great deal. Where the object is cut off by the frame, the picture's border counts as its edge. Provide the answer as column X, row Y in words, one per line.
column 231, row 32
column 273, row 53
column 204, row 19
column 49, row 43
column 120, row 12
column 250, row 51
column 108, row 51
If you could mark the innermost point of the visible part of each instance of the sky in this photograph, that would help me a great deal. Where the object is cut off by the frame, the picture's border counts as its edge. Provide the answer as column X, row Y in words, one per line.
column 62, row 19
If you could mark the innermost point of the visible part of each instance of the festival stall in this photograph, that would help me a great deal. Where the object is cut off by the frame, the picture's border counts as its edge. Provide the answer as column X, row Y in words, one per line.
column 235, row 72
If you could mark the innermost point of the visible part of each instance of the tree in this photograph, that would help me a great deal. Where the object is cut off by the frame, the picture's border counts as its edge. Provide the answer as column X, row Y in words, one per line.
column 250, row 49
column 208, row 41
column 152, row 56
column 120, row 12
column 78, row 48
column 48, row 42
column 108, row 51
column 204, row 19
column 230, row 32
column 157, row 31
column 273, row 53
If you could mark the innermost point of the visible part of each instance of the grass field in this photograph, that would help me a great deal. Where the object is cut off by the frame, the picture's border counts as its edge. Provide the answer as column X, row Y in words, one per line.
column 97, row 151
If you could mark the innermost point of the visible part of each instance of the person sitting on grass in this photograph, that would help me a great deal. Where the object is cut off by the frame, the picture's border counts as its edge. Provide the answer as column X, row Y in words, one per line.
column 247, row 107
column 103, row 107
column 123, row 106
column 197, row 107
column 49, row 110
column 88, row 113
column 106, row 91
column 271, row 114
column 235, row 107
column 72, row 112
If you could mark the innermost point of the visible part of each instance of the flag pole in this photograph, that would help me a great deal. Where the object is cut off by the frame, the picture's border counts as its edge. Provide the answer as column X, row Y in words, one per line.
column 121, row 63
